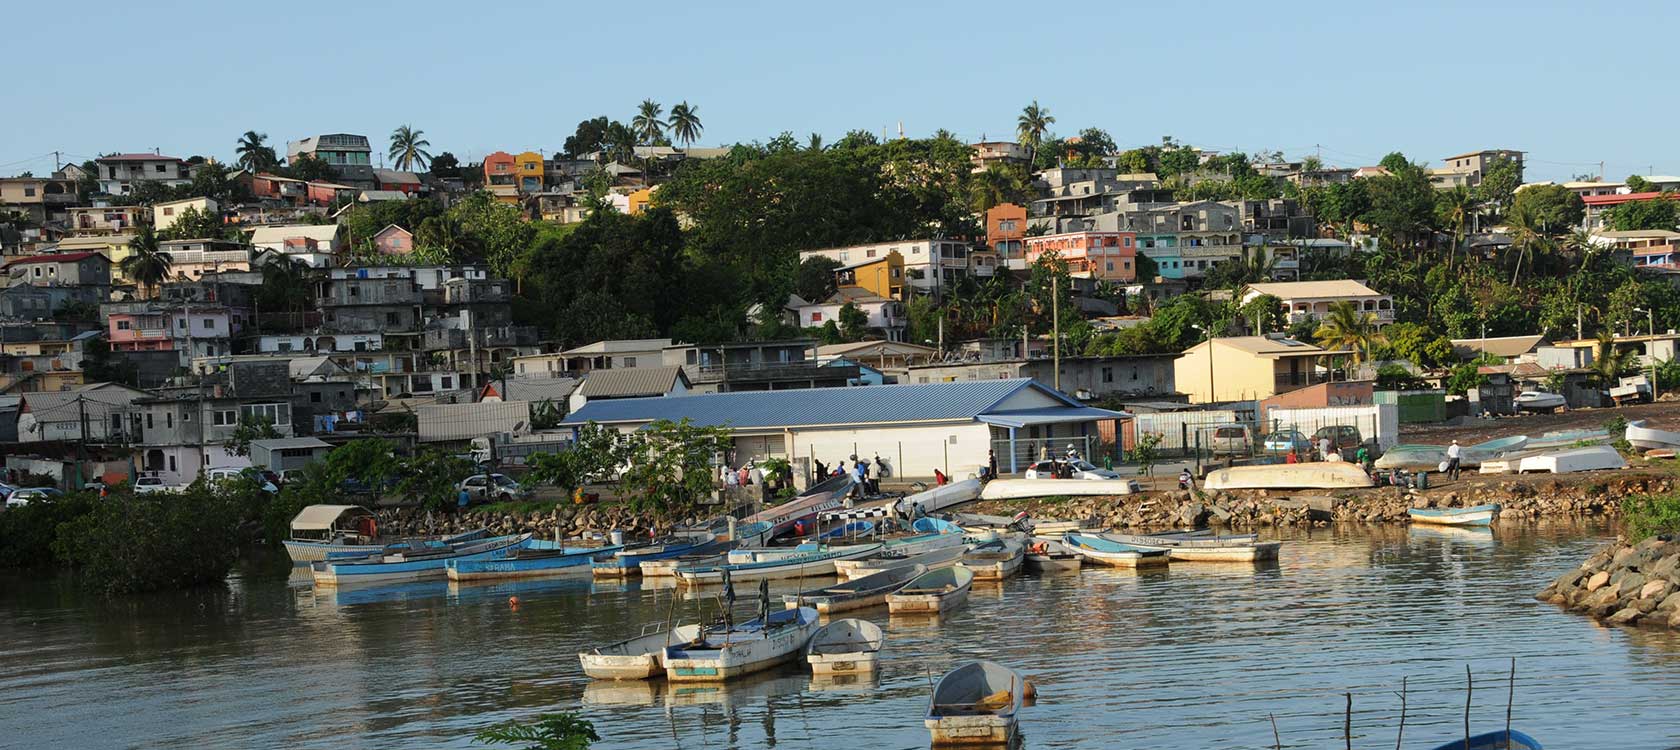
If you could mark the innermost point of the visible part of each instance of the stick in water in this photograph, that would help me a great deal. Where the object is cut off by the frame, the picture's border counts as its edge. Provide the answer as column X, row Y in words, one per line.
column 1347, row 723
column 1469, row 690
column 1510, row 700
column 1402, row 733
column 1277, row 742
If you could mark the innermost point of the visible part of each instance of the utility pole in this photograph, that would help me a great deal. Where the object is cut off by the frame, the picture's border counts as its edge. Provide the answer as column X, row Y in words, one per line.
column 1056, row 329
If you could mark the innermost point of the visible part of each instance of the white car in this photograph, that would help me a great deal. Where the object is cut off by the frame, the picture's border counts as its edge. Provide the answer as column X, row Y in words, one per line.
column 149, row 485
column 1082, row 469
column 21, row 497
column 501, row 489
column 1539, row 401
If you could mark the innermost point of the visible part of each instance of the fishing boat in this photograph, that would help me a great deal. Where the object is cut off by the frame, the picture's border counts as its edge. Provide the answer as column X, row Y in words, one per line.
column 1180, row 549
column 537, row 559
column 1650, row 438
column 746, row 555
column 933, row 592
column 1476, row 515
column 936, row 526
column 320, row 532
column 1047, row 555
column 858, row 593
column 1320, row 475
column 722, row 652
column 995, row 560
column 975, row 704
column 1591, row 458
column 895, row 552
column 410, row 566
column 1016, row 489
column 1054, row 528
column 669, row 566
column 845, row 646
column 939, row 498
column 628, row 562
column 639, row 658
column 828, row 494
column 1505, row 739
column 849, row 530
column 1114, row 554
column 808, row 565
column 944, row 557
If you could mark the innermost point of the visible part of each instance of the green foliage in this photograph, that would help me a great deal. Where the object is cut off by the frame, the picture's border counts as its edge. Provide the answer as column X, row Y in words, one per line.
column 1645, row 516
column 430, row 476
column 815, row 280
column 549, row 732
column 1658, row 213
column 1393, row 377
column 854, row 323
column 618, row 276
column 193, row 224
column 308, row 169
column 369, row 461
column 1500, row 180
column 257, row 428
column 1146, row 451
column 27, row 533
column 594, row 456
column 146, row 264
column 498, row 231
column 1265, row 313
column 671, row 466
column 1417, row 344
column 133, row 543
column 408, row 149
column 1637, row 184
column 1351, row 329
column 1465, row 376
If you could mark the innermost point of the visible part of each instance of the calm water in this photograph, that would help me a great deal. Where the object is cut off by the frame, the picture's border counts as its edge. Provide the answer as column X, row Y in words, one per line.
column 1194, row 656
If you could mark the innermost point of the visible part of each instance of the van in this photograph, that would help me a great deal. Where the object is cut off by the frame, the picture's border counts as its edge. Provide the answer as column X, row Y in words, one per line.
column 1231, row 440
column 1346, row 440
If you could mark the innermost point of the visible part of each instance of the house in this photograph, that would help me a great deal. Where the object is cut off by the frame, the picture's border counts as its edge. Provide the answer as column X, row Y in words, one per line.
column 288, row 454
column 914, row 428
column 929, row 265
column 881, row 276
column 529, row 172
column 97, row 221
column 191, row 259
column 1507, row 348
column 639, row 382
column 535, row 389
column 165, row 214
column 1006, row 232
column 1597, row 205
column 91, row 412
column 1311, row 300
column 1184, row 239
column 987, row 153
column 398, row 181
column 30, row 302
column 1086, row 378
column 501, row 176
column 1110, row 256
column 118, row 174
column 890, row 357
column 190, row 330
column 1467, row 169
column 317, row 245
column 42, row 199
column 1639, row 247
column 348, row 155
column 86, row 268
column 612, row 354
column 755, row 366
column 636, row 201
column 1321, row 396
column 886, row 318
column 1245, row 368
column 394, row 240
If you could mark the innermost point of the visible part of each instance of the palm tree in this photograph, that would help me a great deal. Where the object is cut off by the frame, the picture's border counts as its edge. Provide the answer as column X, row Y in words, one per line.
column 408, row 149
column 285, row 286
column 254, row 154
column 685, row 123
column 1608, row 362
column 816, row 142
column 1348, row 327
column 989, row 188
column 647, row 123
column 1458, row 206
column 145, row 264
column 1031, row 126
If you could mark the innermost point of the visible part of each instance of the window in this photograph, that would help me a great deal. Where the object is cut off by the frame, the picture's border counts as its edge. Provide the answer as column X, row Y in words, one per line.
column 172, row 464
column 816, row 316
column 159, row 168
column 393, row 319
column 355, row 290
column 224, row 417
column 315, row 397
column 210, row 323
column 279, row 414
column 1107, row 374
column 169, row 211
column 869, row 254
column 169, row 420
column 446, row 383
column 629, row 361
column 186, row 416
column 29, row 192
column 148, row 420
column 180, row 322
column 285, row 346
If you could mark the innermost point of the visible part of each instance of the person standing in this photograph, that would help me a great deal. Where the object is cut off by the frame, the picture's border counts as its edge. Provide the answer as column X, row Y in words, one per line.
column 991, row 464
column 822, row 470
column 1453, row 452
column 872, row 476
column 1324, row 448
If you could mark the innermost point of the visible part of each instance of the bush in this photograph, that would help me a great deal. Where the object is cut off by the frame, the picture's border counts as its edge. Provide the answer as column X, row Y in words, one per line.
column 1645, row 516
column 27, row 533
column 133, row 543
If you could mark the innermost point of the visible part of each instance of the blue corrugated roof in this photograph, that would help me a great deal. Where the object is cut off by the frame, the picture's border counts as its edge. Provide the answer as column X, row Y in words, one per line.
column 873, row 404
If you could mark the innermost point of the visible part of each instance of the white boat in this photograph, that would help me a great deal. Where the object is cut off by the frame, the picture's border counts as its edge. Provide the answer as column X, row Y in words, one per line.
column 898, row 551
column 995, row 560
column 1476, row 515
column 933, row 592
column 638, row 658
column 858, row 593
column 1568, row 439
column 1015, row 489
column 1538, row 401
column 939, row 498
column 668, row 567
column 1049, row 555
column 975, row 704
column 828, row 494
column 1181, row 549
column 724, row 652
column 1650, row 438
column 1318, row 475
column 845, row 646
column 801, row 566
column 344, row 532
column 1430, row 457
column 1102, row 551
column 1051, row 528
column 1593, row 458
column 772, row 554
column 939, row 558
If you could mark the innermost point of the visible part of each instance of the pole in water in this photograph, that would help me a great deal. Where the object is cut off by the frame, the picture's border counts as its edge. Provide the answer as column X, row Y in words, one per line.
column 1402, row 733
column 1511, row 699
column 1347, row 723
column 1469, row 690
column 1277, row 742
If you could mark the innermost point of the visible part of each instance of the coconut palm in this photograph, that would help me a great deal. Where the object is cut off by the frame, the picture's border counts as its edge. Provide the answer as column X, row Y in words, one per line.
column 1609, row 363
column 286, row 286
column 255, row 154
column 816, row 142
column 408, row 149
column 145, row 264
column 1031, row 126
column 1458, row 207
column 647, row 123
column 1347, row 327
column 685, row 123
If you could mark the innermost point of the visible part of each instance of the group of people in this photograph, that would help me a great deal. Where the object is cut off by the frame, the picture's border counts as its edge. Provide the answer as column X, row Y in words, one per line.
column 866, row 474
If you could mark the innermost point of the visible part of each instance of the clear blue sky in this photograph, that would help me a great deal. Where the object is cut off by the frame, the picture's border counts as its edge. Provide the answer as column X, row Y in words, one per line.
column 1571, row 83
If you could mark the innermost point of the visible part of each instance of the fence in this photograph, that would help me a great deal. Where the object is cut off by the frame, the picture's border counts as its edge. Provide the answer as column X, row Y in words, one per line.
column 1197, row 434
column 1029, row 450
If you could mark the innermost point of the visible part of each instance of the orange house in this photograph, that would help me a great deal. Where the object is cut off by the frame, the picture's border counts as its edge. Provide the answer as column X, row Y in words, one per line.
column 1006, row 230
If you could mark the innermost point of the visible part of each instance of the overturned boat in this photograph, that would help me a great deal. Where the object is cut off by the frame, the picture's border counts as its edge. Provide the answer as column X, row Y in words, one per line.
column 1320, row 475
column 1650, row 438
column 939, row 498
column 1015, row 489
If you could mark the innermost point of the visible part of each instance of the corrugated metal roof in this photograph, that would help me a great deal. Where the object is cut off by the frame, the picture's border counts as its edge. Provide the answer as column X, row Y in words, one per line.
column 440, row 422
column 630, row 381
column 1051, row 415
column 875, row 404
column 281, row 444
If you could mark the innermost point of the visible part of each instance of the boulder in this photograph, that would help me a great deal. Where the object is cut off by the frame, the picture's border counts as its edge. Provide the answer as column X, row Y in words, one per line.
column 1664, row 567
column 1654, row 589
column 1670, row 603
column 1626, row 616
column 1598, row 580
column 1674, row 619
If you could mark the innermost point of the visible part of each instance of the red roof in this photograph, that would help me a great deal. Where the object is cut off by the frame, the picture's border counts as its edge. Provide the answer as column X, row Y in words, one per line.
column 136, row 157
column 1617, row 200
column 56, row 258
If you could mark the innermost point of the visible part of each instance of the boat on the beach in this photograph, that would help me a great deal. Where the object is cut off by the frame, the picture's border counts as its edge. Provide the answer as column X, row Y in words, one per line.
column 1114, row 554
column 933, row 592
column 1538, row 401
column 1318, row 475
column 975, row 704
column 995, row 560
column 412, row 566
column 1590, row 458
column 1054, row 528
column 858, row 593
column 1015, row 489
column 1048, row 555
column 1568, row 438
column 639, row 658
column 722, row 652
column 845, row 646
column 808, row 565
column 1192, row 549
column 1430, row 457
column 1476, row 515
column 848, row 530
column 628, row 562
column 943, row 557
column 828, row 494
column 535, row 559
column 1651, row 438
column 1504, row 739
column 939, row 498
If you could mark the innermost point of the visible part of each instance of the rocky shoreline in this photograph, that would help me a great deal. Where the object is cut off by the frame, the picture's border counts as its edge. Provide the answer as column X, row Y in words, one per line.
column 1624, row 584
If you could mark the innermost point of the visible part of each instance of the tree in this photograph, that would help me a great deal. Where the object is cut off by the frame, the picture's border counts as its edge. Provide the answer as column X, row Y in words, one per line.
column 1637, row 184
column 647, row 123
column 670, row 466
column 367, row 462
column 1538, row 216
column 685, row 123
column 1610, row 363
column 308, row 169
column 286, row 287
column 146, row 265
column 549, row 732
column 254, row 154
column 1417, row 344
column 1662, row 212
column 1500, row 180
column 193, row 224
column 431, row 477
column 1395, row 162
column 1265, row 313
column 815, row 281
column 1133, row 161
column 1348, row 328
column 408, row 149
column 249, row 429
column 594, row 456
column 853, row 322
column 446, row 165
column 1031, row 126
column 1093, row 144
column 1456, row 208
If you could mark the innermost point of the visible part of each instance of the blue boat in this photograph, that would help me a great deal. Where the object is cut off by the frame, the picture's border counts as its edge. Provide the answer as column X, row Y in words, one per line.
column 408, row 566
column 536, row 559
column 1113, row 554
column 1476, row 515
column 850, row 528
column 628, row 562
column 1504, row 739
column 930, row 525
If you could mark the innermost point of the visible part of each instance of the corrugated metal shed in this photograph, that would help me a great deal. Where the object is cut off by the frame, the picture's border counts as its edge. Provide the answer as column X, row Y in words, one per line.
column 629, row 382
column 441, row 422
column 875, row 404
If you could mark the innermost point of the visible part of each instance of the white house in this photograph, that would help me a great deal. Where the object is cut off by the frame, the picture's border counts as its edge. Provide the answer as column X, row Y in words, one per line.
column 929, row 265
column 119, row 173
column 164, row 215
column 1312, row 299
column 886, row 317
column 314, row 244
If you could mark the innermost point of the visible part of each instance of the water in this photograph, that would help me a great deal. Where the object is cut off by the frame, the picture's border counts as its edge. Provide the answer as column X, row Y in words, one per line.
column 1194, row 656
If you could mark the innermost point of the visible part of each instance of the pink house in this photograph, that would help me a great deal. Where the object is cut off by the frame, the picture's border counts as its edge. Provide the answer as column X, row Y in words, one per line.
column 1110, row 256
column 394, row 240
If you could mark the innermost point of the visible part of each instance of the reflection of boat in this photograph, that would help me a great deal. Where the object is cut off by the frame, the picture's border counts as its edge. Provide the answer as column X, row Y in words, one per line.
column 1192, row 549
column 1650, row 438
column 1476, row 515
column 807, row 565
column 975, row 704
column 858, row 593
column 1321, row 475
column 404, row 566
column 346, row 596
column 668, row 567
column 933, row 592
column 995, row 560
column 622, row 692
column 1047, row 555
column 851, row 682
column 1504, row 739
column 939, row 498
column 1454, row 533
column 1114, row 554
column 638, row 658
column 1015, row 489
column 731, row 651
column 738, row 692
column 537, row 559
column 1592, row 458
column 842, row 646
column 472, row 591
column 939, row 558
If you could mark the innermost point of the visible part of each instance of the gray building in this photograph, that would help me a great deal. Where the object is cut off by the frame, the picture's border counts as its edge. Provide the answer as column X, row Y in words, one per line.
column 1087, row 378
column 288, row 454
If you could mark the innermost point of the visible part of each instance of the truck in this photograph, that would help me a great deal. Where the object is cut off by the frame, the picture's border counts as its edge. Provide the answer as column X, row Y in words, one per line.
column 507, row 449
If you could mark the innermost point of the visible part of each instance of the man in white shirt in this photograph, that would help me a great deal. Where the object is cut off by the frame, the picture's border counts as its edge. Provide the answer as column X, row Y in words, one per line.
column 1452, row 460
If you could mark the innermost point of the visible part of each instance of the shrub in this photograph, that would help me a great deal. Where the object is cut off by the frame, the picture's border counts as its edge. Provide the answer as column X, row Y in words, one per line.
column 132, row 543
column 1645, row 516
column 27, row 532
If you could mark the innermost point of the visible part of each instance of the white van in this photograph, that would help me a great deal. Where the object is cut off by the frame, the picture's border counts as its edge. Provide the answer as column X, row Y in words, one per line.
column 1231, row 440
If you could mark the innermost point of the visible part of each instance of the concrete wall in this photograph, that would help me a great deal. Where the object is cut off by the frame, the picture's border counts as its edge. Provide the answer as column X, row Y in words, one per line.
column 912, row 451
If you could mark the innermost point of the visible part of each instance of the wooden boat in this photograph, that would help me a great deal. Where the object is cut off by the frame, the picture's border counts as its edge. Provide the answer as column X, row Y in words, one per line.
column 1200, row 550
column 825, row 495
column 845, row 646
column 628, row 561
column 940, row 558
column 537, row 559
column 723, row 652
column 799, row 566
column 1115, row 554
column 772, row 554
column 933, row 592
column 321, row 532
column 894, row 552
column 1016, row 489
column 1592, row 458
column 995, row 560
column 1322, row 475
column 639, row 658
column 1504, row 739
column 1053, row 528
column 1477, row 515
column 1650, row 438
column 405, row 566
column 669, row 566
column 858, row 593
column 939, row 498
column 848, row 530
column 1047, row 555
column 975, row 704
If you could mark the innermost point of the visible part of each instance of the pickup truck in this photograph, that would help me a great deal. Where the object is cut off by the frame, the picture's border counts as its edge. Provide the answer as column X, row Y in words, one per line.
column 149, row 485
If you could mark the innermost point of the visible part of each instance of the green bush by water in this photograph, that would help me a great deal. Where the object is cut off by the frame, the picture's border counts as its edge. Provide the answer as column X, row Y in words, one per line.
column 1645, row 516
column 133, row 543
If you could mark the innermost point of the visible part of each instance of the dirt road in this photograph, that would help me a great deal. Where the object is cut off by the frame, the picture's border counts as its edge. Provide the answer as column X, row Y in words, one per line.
column 1664, row 414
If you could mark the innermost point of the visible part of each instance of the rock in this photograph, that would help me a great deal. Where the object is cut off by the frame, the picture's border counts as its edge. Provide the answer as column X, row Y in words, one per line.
column 1664, row 567
column 1670, row 603
column 1674, row 619
column 1625, row 616
column 1598, row 580
column 1654, row 589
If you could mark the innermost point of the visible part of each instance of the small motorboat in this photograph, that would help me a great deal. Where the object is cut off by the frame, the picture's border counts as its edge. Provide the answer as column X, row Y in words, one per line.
column 744, row 555
column 1047, row 555
column 1476, row 515
column 1103, row 551
column 728, row 651
column 1017, row 489
column 808, row 565
column 845, row 646
column 849, row 530
column 940, row 558
column 1196, row 549
column 537, row 559
column 628, row 562
column 412, row 566
column 1650, row 438
column 939, row 498
column 1504, row 739
column 975, row 704
column 858, row 593
column 1538, row 401
column 346, row 532
column 995, row 560
column 933, row 592
column 639, row 658
column 1590, row 458
column 895, row 552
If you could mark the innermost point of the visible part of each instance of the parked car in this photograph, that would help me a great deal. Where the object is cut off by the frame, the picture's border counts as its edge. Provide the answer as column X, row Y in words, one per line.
column 21, row 497
column 229, row 474
column 1346, row 440
column 149, row 485
column 1081, row 470
column 493, row 488
column 1231, row 440
column 1284, row 441
column 1538, row 401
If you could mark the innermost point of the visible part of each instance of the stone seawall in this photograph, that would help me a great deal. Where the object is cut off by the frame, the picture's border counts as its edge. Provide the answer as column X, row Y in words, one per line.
column 569, row 520
column 1624, row 584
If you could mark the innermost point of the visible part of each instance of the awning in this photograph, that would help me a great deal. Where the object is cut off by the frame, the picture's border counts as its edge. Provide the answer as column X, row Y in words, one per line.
column 1049, row 415
column 322, row 517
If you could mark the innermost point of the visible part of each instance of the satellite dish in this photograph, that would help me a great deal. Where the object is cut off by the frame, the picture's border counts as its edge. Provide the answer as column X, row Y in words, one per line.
column 517, row 426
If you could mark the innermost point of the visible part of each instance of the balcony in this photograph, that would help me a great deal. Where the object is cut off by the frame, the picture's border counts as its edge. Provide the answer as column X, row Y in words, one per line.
column 1294, row 381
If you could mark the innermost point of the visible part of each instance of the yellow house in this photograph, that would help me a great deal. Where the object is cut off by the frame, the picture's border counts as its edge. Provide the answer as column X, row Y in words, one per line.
column 113, row 247
column 26, row 381
column 1242, row 368
column 639, row 199
column 528, row 170
column 882, row 276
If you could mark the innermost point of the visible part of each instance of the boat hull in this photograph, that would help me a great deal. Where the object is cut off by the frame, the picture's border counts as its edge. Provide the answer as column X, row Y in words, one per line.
column 1500, row 740
column 940, row 558
column 1015, row 489
column 957, row 731
column 940, row 498
column 1481, row 515
column 1055, row 563
column 742, row 657
column 808, row 567
column 393, row 568
column 1595, row 458
column 1650, row 438
column 845, row 647
column 941, row 592
column 1190, row 549
column 1321, row 475
column 511, row 568
column 843, row 663
column 641, row 658
column 1098, row 553
column 975, row 704
column 996, row 566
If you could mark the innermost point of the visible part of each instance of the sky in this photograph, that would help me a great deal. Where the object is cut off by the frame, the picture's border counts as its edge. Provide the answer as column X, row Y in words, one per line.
column 1562, row 81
